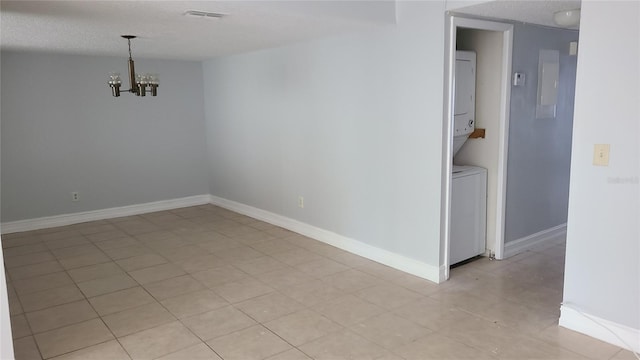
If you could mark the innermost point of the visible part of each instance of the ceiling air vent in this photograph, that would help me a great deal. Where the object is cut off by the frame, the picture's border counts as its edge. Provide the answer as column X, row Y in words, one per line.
column 204, row 14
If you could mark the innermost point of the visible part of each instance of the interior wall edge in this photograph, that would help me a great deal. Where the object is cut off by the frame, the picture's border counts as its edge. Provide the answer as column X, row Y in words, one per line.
column 551, row 235
column 110, row 213
column 414, row 267
column 601, row 329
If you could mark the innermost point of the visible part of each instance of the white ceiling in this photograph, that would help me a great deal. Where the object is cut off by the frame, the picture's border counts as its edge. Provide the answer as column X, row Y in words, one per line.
column 533, row 11
column 94, row 27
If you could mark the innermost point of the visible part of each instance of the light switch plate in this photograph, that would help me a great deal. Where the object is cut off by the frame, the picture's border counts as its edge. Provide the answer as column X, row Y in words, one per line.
column 601, row 154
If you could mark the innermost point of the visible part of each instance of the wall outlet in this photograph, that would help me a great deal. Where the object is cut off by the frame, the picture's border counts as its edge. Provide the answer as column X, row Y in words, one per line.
column 601, row 154
column 75, row 196
column 301, row 202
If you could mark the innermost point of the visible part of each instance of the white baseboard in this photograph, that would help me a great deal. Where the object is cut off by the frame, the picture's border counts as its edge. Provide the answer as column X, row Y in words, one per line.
column 75, row 218
column 396, row 261
column 554, row 234
column 599, row 328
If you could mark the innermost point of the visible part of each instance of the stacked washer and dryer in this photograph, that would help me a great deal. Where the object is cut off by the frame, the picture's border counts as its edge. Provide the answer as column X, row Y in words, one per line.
column 469, row 183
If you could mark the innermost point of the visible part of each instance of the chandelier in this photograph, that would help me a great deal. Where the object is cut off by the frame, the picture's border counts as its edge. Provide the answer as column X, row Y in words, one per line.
column 139, row 84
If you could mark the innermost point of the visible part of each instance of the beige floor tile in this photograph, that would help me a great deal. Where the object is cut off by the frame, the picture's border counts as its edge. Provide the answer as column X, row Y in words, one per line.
column 219, row 322
column 19, row 239
column 173, row 287
column 93, row 272
column 201, row 263
column 436, row 346
column 61, row 315
column 72, row 337
column 42, row 282
column 117, row 243
column 193, row 303
column 93, row 227
column 26, row 349
column 313, row 292
column 237, row 230
column 166, row 243
column 481, row 334
column 23, row 272
column 137, row 319
column 302, row 327
column 416, row 284
column 284, row 278
column 75, row 250
column 517, row 316
column 464, row 300
column 321, row 267
column 238, row 253
column 255, row 342
column 529, row 348
column 106, row 285
column 52, row 297
column 292, row 354
column 128, row 252
column 120, row 300
column 141, row 261
column 432, row 314
column 578, row 343
column 181, row 253
column 348, row 310
column 380, row 271
column 219, row 244
column 389, row 330
column 349, row 259
column 254, row 238
column 388, row 296
column 158, row 341
column 156, row 236
column 19, row 326
column 280, row 232
column 219, row 275
column 156, row 273
column 84, row 260
column 269, row 307
column 24, row 249
column 196, row 352
column 259, row 265
column 66, row 242
column 296, row 256
column 274, row 246
column 57, row 233
column 351, row 280
column 28, row 259
column 106, row 235
column 241, row 290
column 110, row 350
column 15, row 307
column 624, row 355
column 343, row 344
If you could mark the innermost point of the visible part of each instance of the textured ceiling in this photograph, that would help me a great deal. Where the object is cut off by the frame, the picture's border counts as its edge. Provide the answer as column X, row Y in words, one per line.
column 94, row 27
column 533, row 11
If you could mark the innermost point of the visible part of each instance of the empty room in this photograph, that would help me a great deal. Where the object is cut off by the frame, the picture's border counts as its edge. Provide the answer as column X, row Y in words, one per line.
column 320, row 180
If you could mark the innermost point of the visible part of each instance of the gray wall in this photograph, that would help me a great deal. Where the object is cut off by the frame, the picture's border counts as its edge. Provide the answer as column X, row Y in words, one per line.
column 539, row 149
column 353, row 124
column 62, row 131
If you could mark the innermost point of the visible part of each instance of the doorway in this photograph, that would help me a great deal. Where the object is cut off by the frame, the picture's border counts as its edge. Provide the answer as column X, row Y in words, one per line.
column 496, row 213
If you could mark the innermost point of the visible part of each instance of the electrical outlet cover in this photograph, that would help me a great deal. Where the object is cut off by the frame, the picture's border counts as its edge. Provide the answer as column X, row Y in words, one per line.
column 601, row 154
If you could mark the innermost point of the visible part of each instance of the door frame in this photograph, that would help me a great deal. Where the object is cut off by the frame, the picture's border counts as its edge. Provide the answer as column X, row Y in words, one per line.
column 452, row 23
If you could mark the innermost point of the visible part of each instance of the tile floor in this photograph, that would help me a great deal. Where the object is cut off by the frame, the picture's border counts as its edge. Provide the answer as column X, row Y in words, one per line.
column 207, row 283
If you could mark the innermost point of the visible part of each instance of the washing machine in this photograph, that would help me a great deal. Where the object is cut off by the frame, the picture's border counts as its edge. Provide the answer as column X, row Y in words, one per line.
column 468, row 213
